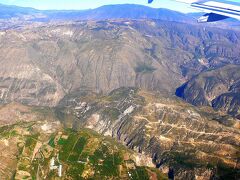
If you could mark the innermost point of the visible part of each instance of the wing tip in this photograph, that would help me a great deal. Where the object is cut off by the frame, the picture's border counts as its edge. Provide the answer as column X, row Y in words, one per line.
column 150, row 1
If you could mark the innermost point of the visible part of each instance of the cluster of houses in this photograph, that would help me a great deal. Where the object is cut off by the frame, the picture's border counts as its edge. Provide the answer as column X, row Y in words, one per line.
column 54, row 166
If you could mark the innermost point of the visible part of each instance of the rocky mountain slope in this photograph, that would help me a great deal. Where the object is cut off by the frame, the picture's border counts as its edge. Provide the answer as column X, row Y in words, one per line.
column 15, row 16
column 218, row 88
column 8, row 12
column 14, row 113
column 43, row 63
column 193, row 143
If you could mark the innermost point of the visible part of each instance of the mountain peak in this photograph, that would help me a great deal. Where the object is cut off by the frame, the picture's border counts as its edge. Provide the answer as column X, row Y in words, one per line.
column 123, row 11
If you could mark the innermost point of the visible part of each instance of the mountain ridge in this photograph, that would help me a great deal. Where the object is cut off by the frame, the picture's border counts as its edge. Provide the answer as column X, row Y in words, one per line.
column 173, row 133
column 119, row 11
column 218, row 88
column 103, row 12
column 45, row 63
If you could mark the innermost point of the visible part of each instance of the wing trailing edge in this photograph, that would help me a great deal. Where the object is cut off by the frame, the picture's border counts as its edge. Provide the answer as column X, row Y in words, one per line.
column 215, row 10
column 211, row 17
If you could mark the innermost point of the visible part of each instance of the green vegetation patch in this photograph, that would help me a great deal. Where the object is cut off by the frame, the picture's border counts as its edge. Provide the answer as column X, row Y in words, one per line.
column 84, row 151
column 31, row 141
column 106, row 162
column 80, row 145
column 75, row 171
column 187, row 160
column 6, row 131
column 140, row 173
column 51, row 141
column 22, row 167
column 77, row 149
column 83, row 157
column 144, row 68
column 120, row 93
column 225, row 172
column 112, row 113
column 68, row 147
column 62, row 141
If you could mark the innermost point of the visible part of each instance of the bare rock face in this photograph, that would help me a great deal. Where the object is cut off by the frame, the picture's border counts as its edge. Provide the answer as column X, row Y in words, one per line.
column 14, row 113
column 229, row 102
column 43, row 63
column 190, row 143
column 218, row 88
column 23, row 81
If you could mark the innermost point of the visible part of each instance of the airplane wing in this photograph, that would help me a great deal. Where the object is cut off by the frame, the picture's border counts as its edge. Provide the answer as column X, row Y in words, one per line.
column 215, row 9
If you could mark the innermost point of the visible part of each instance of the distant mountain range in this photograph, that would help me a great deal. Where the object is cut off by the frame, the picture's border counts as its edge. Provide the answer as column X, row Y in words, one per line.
column 130, row 11
column 120, row 11
column 7, row 12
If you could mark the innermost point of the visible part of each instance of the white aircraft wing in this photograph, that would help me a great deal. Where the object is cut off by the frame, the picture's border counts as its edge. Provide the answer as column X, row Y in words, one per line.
column 215, row 9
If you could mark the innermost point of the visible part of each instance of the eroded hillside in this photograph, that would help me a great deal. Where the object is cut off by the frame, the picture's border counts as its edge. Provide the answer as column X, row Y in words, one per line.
column 40, row 148
column 43, row 63
column 163, row 136
column 194, row 142
column 218, row 88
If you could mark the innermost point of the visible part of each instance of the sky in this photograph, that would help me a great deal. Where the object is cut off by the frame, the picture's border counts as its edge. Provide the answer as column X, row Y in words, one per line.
column 90, row 4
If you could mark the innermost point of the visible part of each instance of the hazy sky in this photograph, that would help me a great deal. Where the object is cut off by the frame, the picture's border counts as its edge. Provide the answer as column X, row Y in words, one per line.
column 87, row 4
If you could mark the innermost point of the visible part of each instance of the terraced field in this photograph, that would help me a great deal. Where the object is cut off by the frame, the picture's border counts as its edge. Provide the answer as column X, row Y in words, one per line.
column 45, row 150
